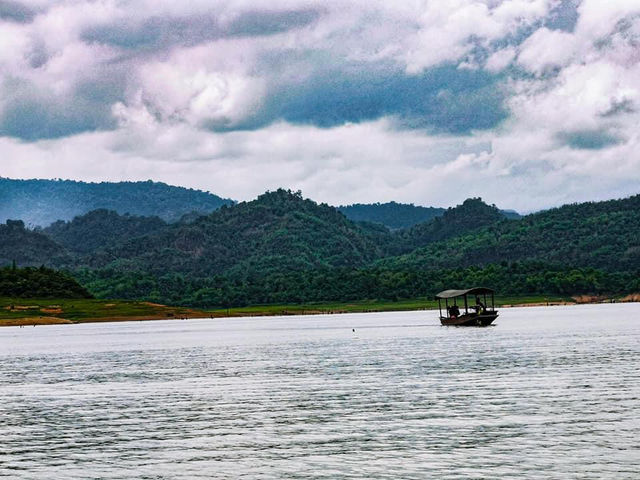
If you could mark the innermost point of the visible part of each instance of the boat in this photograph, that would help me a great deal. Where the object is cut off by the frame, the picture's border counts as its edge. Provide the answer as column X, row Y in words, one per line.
column 477, row 313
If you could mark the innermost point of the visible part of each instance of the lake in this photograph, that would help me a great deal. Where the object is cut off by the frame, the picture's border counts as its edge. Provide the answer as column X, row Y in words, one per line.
column 550, row 392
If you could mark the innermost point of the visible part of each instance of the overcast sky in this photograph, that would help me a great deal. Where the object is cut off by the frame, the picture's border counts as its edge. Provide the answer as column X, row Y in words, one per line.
column 526, row 103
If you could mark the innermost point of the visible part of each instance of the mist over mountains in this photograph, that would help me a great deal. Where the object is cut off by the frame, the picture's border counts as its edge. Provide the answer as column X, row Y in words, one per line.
column 39, row 203
column 42, row 202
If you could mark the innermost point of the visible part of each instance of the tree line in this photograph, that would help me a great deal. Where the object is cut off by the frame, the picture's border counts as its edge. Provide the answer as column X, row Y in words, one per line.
column 282, row 247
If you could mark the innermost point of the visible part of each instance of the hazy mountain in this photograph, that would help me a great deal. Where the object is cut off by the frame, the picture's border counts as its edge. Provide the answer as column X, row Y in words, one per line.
column 396, row 216
column 511, row 214
column 393, row 215
column 42, row 202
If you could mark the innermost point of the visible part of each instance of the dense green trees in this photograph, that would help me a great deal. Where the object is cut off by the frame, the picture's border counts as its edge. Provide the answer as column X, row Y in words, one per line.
column 347, row 284
column 27, row 247
column 604, row 235
column 101, row 228
column 279, row 231
column 284, row 248
column 31, row 282
column 472, row 215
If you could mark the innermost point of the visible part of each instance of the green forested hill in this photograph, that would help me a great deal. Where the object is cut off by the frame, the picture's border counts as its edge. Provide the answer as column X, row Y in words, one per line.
column 42, row 202
column 101, row 228
column 545, row 253
column 26, row 247
column 603, row 235
column 42, row 282
column 284, row 248
column 472, row 215
column 278, row 231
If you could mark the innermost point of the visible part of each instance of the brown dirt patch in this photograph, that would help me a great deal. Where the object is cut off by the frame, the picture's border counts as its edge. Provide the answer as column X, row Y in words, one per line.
column 634, row 297
column 51, row 310
column 29, row 321
column 589, row 298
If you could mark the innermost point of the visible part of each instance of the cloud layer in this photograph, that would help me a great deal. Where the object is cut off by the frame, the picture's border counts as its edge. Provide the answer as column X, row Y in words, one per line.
column 527, row 103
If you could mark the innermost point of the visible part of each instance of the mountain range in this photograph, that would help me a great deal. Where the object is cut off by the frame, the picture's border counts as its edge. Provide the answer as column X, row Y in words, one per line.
column 39, row 203
column 282, row 247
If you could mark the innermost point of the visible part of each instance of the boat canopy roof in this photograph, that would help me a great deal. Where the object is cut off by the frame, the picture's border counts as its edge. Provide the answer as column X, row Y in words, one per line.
column 460, row 293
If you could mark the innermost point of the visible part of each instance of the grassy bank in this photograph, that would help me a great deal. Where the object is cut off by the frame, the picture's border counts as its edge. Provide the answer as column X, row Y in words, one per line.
column 15, row 311
column 47, row 311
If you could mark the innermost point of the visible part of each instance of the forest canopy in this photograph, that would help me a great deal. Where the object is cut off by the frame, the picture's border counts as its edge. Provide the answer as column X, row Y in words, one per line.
column 283, row 247
column 42, row 282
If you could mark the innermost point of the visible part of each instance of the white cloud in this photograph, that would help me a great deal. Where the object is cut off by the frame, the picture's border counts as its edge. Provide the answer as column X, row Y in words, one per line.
column 581, row 97
column 448, row 31
column 188, row 91
column 520, row 169
column 598, row 18
column 327, row 164
column 500, row 59
column 547, row 49
column 573, row 106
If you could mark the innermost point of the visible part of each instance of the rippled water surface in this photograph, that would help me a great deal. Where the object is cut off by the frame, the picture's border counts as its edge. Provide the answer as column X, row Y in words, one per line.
column 547, row 393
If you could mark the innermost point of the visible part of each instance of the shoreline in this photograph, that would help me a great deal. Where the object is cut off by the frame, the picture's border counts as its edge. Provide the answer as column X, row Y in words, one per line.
column 163, row 312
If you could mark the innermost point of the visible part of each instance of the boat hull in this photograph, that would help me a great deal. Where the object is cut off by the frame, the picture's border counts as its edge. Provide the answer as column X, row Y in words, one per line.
column 470, row 320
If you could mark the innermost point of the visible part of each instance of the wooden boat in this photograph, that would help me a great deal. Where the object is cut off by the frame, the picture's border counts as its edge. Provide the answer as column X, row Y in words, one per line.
column 477, row 313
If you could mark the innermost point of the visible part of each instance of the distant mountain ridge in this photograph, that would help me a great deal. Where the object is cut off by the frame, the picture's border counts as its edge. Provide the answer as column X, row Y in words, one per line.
column 42, row 202
column 279, row 230
column 391, row 214
column 398, row 216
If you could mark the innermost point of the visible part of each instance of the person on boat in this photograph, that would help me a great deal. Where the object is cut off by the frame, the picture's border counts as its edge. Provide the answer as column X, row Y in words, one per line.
column 479, row 306
column 454, row 311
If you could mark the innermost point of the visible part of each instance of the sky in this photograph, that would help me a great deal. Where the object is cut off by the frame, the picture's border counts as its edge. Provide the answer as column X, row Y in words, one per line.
column 528, row 104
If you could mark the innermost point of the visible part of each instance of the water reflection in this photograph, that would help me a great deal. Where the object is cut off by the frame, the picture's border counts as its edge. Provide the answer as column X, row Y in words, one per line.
column 548, row 393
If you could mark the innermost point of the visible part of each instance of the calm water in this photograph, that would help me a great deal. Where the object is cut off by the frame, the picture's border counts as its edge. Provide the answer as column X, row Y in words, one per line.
column 547, row 393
